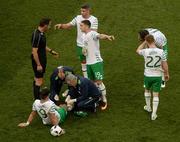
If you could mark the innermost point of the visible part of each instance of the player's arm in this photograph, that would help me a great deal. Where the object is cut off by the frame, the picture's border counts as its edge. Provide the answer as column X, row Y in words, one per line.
column 35, row 55
column 63, row 26
column 30, row 119
column 35, row 44
column 140, row 47
column 84, row 94
column 166, row 70
column 106, row 37
column 54, row 53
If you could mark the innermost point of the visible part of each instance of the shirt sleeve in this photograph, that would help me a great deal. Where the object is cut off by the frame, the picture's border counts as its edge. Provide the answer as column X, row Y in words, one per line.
column 94, row 24
column 95, row 35
column 34, row 106
column 141, row 52
column 74, row 21
column 52, row 109
column 35, row 39
column 164, row 57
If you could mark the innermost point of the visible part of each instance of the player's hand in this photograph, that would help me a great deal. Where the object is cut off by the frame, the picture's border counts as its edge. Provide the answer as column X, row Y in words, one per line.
column 22, row 125
column 39, row 68
column 55, row 54
column 111, row 38
column 166, row 77
column 71, row 101
column 84, row 51
column 57, row 26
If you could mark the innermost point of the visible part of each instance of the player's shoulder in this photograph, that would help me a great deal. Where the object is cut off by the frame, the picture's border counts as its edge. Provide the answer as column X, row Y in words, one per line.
column 93, row 17
column 79, row 17
column 36, row 102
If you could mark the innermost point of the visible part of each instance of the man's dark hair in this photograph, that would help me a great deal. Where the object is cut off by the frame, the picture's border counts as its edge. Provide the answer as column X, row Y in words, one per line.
column 86, row 6
column 44, row 93
column 86, row 22
column 44, row 21
column 143, row 34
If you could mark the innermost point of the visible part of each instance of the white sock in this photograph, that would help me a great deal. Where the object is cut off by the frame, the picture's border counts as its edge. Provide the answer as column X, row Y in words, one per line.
column 155, row 104
column 102, row 88
column 84, row 70
column 147, row 96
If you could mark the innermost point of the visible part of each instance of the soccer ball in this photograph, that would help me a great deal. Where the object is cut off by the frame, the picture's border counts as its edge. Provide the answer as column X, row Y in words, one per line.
column 56, row 130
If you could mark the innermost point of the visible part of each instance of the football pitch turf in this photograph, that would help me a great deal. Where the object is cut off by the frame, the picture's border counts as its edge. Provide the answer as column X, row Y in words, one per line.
column 125, row 119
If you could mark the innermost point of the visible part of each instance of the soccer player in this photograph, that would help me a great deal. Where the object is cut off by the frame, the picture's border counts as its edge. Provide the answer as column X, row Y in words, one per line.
column 83, row 93
column 38, row 56
column 56, row 82
column 85, row 14
column 160, row 41
column 47, row 110
column 94, row 61
column 155, row 58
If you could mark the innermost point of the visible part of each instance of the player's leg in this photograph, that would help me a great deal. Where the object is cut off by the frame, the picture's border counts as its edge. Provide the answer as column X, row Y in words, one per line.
column 38, row 80
column 165, row 48
column 98, row 72
column 156, row 89
column 82, row 60
column 88, row 104
column 63, row 113
column 147, row 93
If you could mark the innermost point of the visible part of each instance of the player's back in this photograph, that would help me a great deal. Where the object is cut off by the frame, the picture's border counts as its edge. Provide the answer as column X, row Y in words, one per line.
column 159, row 37
column 43, row 109
column 153, row 60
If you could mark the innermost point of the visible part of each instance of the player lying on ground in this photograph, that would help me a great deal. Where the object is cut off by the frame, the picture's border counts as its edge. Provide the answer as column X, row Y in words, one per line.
column 47, row 110
column 155, row 58
column 94, row 61
column 160, row 41
column 56, row 82
column 38, row 56
column 83, row 94
column 85, row 15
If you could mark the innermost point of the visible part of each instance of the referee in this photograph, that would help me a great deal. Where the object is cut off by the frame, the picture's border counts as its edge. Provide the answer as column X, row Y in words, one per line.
column 38, row 56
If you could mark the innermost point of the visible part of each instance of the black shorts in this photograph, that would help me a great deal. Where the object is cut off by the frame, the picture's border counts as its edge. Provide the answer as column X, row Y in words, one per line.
column 37, row 73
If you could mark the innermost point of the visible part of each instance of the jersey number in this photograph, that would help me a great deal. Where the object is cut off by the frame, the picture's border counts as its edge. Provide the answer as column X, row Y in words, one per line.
column 156, row 64
column 43, row 113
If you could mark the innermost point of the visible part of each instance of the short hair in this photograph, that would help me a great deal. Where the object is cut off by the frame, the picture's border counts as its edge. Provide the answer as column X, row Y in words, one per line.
column 86, row 22
column 44, row 93
column 70, row 77
column 44, row 21
column 143, row 34
column 149, row 39
column 86, row 6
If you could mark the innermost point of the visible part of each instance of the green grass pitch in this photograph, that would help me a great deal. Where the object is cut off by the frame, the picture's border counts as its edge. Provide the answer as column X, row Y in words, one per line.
column 125, row 120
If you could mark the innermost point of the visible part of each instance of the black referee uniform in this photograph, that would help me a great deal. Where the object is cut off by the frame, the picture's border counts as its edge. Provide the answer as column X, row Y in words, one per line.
column 38, row 41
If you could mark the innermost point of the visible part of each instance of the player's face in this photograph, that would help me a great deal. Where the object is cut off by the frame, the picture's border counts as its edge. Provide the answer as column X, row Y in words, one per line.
column 83, row 27
column 85, row 12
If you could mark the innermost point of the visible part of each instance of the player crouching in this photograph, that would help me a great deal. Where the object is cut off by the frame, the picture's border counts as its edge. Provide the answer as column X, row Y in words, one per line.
column 48, row 111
